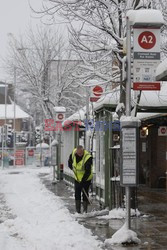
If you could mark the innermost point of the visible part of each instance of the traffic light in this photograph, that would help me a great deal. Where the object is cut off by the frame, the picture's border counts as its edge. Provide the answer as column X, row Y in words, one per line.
column 37, row 135
column 9, row 134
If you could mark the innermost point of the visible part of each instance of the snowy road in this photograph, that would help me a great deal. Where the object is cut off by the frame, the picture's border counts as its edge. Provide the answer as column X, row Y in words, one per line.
column 33, row 218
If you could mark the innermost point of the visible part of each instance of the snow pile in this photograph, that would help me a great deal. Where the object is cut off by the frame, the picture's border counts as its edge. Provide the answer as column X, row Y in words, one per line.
column 119, row 213
column 92, row 214
column 115, row 178
column 41, row 220
column 123, row 235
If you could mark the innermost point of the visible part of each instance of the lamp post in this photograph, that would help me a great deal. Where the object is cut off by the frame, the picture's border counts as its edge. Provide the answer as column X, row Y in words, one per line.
column 14, row 121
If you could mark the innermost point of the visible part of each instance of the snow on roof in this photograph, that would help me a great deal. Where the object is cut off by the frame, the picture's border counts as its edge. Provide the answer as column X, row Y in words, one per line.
column 154, row 98
column 146, row 17
column 94, row 82
column 148, row 98
column 111, row 98
column 20, row 114
column 60, row 109
column 79, row 115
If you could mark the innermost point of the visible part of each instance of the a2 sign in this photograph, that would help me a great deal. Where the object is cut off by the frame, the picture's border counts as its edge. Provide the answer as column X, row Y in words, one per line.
column 147, row 40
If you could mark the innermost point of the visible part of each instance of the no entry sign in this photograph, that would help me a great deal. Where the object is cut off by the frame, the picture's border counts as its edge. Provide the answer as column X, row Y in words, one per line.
column 60, row 117
column 96, row 92
column 162, row 131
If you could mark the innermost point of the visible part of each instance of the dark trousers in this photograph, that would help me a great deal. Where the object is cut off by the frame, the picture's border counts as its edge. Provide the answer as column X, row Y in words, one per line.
column 79, row 189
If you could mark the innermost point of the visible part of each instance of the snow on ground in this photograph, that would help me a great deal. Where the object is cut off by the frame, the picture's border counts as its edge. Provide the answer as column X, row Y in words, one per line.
column 119, row 213
column 123, row 235
column 40, row 219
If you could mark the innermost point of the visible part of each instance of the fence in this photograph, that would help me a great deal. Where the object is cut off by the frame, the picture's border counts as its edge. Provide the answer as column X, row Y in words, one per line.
column 24, row 157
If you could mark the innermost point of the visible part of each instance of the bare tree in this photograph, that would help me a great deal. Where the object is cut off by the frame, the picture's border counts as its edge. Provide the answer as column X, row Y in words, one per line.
column 32, row 56
column 97, row 31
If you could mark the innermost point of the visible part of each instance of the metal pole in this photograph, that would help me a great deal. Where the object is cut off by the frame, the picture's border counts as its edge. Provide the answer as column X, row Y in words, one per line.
column 58, row 154
column 2, row 147
column 87, row 119
column 128, row 83
column 5, row 111
column 128, row 108
column 14, row 123
column 54, row 171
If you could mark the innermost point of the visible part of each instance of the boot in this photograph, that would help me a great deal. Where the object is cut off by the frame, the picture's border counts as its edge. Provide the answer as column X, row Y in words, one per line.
column 85, row 206
column 78, row 206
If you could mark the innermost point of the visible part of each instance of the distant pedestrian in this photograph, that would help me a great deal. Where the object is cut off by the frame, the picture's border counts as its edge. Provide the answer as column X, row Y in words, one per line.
column 80, row 162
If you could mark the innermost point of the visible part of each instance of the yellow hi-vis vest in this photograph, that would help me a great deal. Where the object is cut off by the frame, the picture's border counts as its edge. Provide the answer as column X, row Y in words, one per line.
column 79, row 168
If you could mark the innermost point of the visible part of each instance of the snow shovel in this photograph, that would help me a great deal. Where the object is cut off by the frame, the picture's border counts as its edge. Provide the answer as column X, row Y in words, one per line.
column 90, row 202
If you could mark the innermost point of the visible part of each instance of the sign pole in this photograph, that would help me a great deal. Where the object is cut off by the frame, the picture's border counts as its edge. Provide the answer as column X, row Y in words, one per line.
column 128, row 109
column 87, row 118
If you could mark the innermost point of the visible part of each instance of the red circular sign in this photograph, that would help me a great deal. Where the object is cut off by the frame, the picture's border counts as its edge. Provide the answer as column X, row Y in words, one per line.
column 163, row 130
column 147, row 40
column 97, row 90
column 60, row 116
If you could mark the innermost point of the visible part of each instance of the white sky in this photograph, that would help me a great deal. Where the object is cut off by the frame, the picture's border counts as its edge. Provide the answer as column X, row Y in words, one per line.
column 15, row 17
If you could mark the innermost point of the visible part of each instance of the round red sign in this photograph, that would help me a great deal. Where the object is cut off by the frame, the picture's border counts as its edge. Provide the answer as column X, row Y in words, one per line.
column 97, row 90
column 163, row 130
column 147, row 40
column 60, row 116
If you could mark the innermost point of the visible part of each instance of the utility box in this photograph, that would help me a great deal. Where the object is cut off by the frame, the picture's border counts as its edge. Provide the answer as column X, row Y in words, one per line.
column 129, row 152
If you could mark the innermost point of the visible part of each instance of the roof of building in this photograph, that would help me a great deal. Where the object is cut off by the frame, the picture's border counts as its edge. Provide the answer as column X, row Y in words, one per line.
column 19, row 114
column 150, row 100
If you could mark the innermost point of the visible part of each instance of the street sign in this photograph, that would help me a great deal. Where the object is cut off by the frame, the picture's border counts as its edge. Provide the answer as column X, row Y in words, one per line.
column 162, row 131
column 60, row 113
column 60, row 117
column 129, row 152
column 96, row 92
column 129, row 156
column 19, row 162
column 146, row 58
column 31, row 152
column 147, row 40
column 146, row 86
column 19, row 157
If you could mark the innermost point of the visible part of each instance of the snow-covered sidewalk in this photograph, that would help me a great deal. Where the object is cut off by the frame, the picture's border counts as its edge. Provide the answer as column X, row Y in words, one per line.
column 40, row 220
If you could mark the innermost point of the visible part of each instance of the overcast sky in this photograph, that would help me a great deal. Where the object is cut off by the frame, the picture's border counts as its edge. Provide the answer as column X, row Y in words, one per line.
column 15, row 16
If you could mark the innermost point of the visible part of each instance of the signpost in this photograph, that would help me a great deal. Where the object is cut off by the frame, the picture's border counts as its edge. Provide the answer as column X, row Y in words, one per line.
column 59, row 117
column 146, row 26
